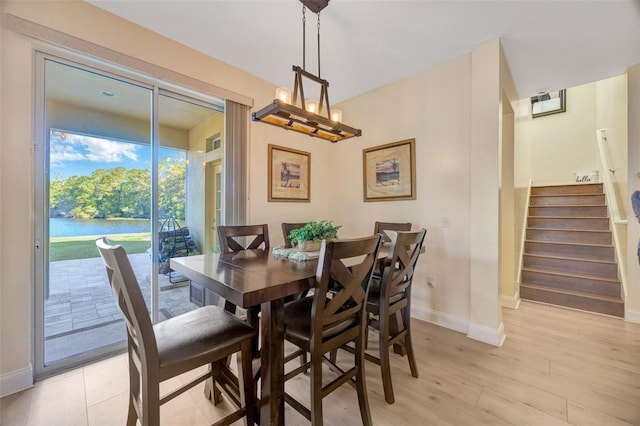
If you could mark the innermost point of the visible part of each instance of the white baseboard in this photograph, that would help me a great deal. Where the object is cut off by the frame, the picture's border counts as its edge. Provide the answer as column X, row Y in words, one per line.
column 510, row 301
column 632, row 316
column 492, row 336
column 474, row 331
column 16, row 381
column 439, row 318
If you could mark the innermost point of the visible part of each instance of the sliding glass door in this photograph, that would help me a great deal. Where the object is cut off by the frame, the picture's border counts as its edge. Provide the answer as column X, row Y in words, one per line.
column 121, row 158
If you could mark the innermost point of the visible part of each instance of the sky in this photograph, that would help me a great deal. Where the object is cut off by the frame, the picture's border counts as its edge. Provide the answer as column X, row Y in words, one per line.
column 74, row 155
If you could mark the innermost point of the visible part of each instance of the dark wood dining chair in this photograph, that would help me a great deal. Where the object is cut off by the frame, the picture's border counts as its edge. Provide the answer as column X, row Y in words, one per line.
column 382, row 227
column 319, row 324
column 286, row 230
column 205, row 336
column 389, row 303
column 234, row 238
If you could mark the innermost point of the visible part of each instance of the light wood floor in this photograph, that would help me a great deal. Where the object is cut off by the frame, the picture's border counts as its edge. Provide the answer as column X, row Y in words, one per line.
column 556, row 367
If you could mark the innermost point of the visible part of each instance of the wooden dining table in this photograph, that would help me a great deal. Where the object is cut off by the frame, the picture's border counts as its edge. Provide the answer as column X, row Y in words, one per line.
column 248, row 279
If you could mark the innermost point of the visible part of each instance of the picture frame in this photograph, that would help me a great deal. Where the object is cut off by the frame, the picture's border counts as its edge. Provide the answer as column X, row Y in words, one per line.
column 389, row 171
column 289, row 177
column 548, row 103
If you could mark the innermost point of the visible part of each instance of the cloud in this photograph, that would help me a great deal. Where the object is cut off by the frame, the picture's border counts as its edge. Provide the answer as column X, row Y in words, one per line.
column 67, row 147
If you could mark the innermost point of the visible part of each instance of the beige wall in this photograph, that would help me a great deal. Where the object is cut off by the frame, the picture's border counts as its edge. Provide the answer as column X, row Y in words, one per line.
column 433, row 107
column 632, row 304
column 436, row 108
column 16, row 222
column 611, row 115
column 508, row 226
column 199, row 191
column 521, row 177
column 564, row 143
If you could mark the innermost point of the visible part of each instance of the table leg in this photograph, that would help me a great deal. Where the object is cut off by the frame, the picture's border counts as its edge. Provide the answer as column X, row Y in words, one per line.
column 272, row 363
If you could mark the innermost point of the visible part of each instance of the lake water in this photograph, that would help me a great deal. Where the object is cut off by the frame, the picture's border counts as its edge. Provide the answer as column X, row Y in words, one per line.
column 63, row 227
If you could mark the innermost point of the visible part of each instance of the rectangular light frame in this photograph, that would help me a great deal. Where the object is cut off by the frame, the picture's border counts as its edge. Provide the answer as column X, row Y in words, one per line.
column 291, row 117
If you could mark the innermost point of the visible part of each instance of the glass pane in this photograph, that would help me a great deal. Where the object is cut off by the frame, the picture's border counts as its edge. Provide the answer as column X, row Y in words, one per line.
column 99, row 182
column 186, row 192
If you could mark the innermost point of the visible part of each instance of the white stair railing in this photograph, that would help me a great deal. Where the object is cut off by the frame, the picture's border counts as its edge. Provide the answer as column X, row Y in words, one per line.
column 618, row 221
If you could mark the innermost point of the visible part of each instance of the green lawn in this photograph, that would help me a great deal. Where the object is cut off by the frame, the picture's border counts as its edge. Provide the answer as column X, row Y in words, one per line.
column 65, row 248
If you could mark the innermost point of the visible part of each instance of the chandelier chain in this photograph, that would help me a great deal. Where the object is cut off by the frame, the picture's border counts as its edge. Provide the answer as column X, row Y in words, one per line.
column 319, row 45
column 304, row 41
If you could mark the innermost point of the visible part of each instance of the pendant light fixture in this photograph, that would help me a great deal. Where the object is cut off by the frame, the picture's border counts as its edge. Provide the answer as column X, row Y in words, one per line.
column 299, row 113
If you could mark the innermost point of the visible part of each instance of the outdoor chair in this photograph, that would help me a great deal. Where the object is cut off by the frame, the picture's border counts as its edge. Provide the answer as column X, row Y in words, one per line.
column 205, row 336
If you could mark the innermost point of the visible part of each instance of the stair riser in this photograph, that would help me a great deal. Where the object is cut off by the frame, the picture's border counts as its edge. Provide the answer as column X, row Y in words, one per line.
column 596, row 188
column 593, row 286
column 586, row 224
column 573, row 301
column 569, row 211
column 596, row 269
column 569, row 236
column 570, row 250
column 568, row 200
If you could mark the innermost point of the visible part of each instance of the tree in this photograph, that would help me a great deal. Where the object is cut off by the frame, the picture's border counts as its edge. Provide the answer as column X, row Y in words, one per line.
column 120, row 192
column 171, row 189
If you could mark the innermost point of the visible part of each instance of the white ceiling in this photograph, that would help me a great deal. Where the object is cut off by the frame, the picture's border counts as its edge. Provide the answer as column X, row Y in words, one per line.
column 366, row 44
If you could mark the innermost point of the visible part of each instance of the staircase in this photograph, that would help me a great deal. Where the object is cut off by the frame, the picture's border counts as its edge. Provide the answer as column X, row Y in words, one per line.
column 569, row 259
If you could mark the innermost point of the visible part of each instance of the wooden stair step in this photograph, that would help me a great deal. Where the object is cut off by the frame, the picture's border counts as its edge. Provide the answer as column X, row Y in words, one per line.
column 596, row 268
column 569, row 236
column 588, row 188
column 569, row 259
column 567, row 200
column 573, row 299
column 576, row 282
column 578, row 223
column 574, row 250
column 571, row 211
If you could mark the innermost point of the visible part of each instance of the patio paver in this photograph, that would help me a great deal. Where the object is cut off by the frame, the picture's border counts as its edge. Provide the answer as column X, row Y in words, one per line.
column 81, row 314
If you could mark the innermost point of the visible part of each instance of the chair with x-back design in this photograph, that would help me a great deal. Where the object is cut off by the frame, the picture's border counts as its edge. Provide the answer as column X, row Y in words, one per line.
column 320, row 324
column 234, row 238
column 389, row 303
column 204, row 336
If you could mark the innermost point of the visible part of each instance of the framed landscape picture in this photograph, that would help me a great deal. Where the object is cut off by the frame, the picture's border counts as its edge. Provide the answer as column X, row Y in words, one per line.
column 289, row 174
column 389, row 171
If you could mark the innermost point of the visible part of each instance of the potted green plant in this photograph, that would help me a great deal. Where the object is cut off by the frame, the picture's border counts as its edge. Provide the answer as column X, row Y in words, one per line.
column 309, row 237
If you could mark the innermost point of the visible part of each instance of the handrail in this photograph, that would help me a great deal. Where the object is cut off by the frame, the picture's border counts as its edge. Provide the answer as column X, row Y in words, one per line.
column 608, row 177
column 612, row 200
